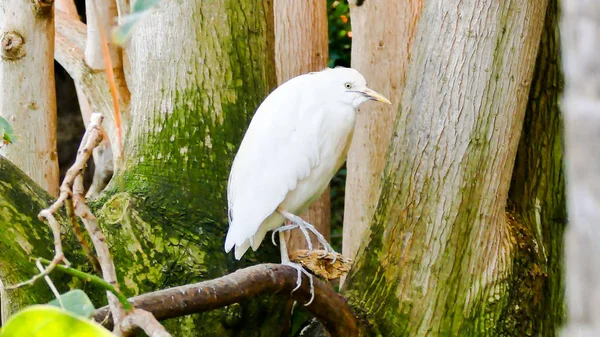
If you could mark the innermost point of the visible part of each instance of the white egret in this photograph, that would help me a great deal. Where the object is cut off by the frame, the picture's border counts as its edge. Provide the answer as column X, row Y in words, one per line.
column 296, row 141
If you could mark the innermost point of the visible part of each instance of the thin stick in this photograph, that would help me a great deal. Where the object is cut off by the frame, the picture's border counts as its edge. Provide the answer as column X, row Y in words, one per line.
column 81, row 237
column 38, row 263
column 3, row 304
column 94, row 280
column 59, row 256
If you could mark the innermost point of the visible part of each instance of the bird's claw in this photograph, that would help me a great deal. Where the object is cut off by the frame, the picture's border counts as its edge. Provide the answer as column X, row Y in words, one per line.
column 297, row 222
column 300, row 270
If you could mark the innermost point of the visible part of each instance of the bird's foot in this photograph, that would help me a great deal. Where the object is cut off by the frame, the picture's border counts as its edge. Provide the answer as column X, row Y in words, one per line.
column 305, row 227
column 301, row 271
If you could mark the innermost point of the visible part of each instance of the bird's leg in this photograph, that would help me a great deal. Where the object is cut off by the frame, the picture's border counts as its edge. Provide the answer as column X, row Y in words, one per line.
column 290, row 227
column 297, row 222
column 285, row 260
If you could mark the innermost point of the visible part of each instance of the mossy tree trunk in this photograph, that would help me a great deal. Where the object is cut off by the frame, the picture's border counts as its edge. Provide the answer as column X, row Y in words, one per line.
column 196, row 72
column 22, row 236
column 442, row 256
column 537, row 202
column 381, row 53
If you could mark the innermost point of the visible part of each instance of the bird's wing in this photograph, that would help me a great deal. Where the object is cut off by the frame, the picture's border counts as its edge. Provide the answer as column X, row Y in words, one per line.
column 279, row 149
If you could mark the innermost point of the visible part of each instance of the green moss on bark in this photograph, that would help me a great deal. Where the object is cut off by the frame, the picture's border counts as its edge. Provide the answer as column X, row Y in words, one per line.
column 23, row 237
column 537, row 197
column 440, row 257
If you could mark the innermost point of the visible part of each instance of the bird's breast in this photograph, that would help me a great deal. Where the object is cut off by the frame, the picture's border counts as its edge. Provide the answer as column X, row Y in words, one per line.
column 334, row 138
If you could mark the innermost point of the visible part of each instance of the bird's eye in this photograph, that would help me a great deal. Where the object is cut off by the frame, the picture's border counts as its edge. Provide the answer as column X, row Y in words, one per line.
column 348, row 85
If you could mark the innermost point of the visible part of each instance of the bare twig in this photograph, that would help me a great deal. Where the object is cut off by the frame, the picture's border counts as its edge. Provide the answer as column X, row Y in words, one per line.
column 81, row 237
column 59, row 256
column 106, row 264
column 329, row 307
column 38, row 264
column 140, row 318
column 3, row 304
column 85, row 150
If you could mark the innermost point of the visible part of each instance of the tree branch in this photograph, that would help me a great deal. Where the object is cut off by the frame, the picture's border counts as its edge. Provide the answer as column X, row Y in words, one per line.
column 140, row 318
column 329, row 307
column 70, row 40
column 103, row 168
column 70, row 43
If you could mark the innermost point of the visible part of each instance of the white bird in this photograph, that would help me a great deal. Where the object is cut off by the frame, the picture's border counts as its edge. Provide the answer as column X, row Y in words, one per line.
column 297, row 140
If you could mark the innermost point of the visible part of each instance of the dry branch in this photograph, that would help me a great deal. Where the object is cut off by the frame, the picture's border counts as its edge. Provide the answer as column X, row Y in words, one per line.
column 329, row 307
column 59, row 256
column 106, row 264
column 140, row 318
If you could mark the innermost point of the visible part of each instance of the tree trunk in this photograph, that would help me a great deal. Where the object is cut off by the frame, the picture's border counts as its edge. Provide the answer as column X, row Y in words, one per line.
column 581, row 28
column 28, row 99
column 438, row 255
column 381, row 53
column 537, row 199
column 169, row 198
column 197, row 71
column 301, row 47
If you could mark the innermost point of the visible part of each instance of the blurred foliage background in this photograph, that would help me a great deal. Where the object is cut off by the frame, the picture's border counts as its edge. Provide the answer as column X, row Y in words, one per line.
column 340, row 33
column 340, row 43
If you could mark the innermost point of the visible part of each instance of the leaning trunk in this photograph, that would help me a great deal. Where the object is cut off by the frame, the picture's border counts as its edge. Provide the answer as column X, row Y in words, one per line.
column 439, row 254
column 381, row 53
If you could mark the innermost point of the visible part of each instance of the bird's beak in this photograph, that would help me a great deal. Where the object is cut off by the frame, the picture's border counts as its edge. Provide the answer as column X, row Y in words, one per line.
column 376, row 96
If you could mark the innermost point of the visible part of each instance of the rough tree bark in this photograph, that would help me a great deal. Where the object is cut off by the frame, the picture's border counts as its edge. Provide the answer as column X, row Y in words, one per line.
column 381, row 52
column 301, row 46
column 23, row 236
column 438, row 256
column 196, row 71
column 187, row 121
column 537, row 199
column 581, row 28
column 28, row 99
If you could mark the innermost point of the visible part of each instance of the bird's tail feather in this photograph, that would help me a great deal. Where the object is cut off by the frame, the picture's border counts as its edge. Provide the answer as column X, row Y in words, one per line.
column 241, row 249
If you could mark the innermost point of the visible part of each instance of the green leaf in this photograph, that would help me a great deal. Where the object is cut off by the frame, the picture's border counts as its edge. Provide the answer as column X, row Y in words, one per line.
column 140, row 9
column 143, row 5
column 50, row 321
column 76, row 302
column 7, row 135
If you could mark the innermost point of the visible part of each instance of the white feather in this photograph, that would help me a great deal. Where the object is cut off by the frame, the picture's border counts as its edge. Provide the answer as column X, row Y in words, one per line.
column 295, row 143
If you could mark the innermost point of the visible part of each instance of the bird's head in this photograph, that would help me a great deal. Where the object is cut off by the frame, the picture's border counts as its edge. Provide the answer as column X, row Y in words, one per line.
column 351, row 87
